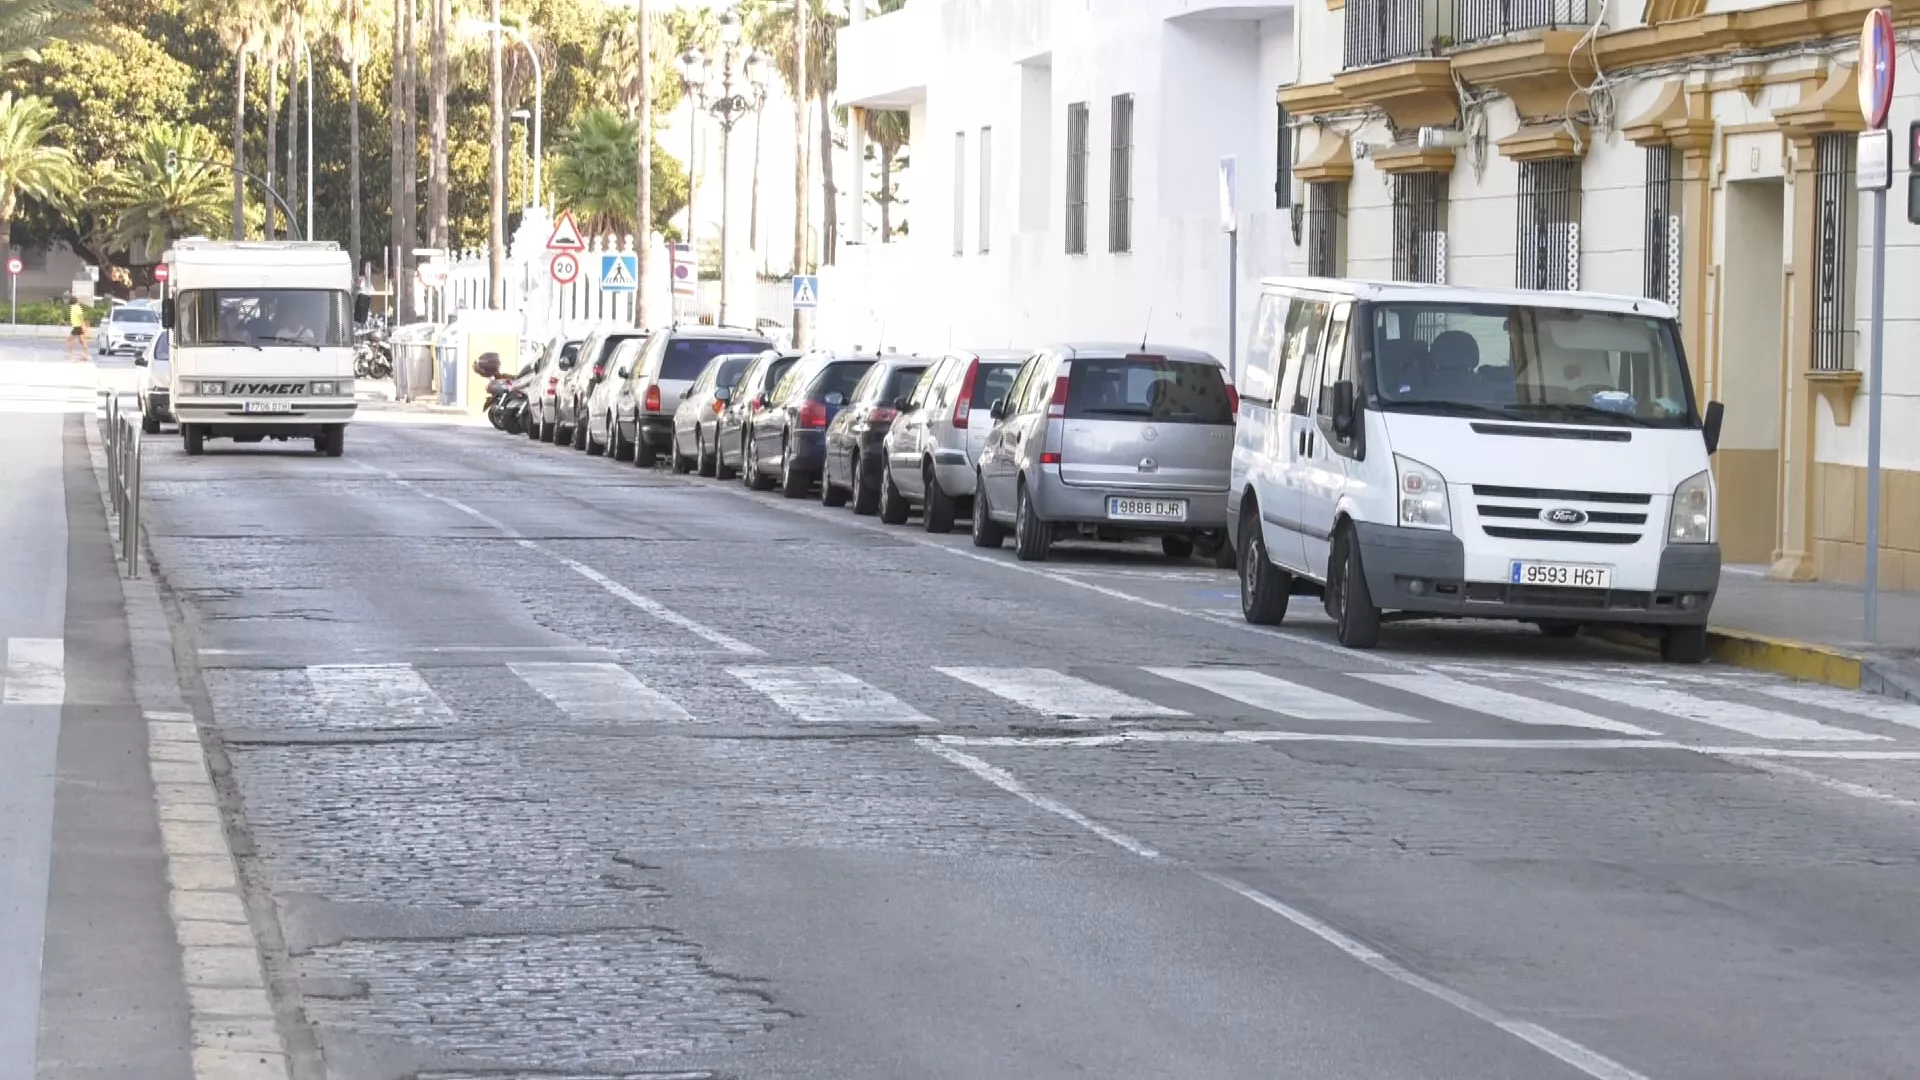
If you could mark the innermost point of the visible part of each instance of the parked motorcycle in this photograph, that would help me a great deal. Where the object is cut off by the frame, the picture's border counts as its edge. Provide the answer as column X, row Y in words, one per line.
column 372, row 354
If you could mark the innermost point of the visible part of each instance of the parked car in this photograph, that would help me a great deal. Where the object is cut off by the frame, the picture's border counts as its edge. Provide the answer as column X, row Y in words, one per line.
column 935, row 443
column 599, row 432
column 156, row 373
column 128, row 329
column 543, row 414
column 1486, row 453
column 1108, row 442
column 696, row 422
column 854, row 468
column 788, row 438
column 643, row 409
column 577, row 387
column 749, row 396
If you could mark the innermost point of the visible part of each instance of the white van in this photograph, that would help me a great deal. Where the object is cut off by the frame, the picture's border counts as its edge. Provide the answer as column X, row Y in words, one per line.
column 1430, row 451
column 262, row 341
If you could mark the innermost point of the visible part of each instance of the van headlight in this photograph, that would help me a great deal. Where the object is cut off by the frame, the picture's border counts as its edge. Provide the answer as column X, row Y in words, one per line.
column 325, row 389
column 212, row 389
column 1691, row 520
column 1423, row 495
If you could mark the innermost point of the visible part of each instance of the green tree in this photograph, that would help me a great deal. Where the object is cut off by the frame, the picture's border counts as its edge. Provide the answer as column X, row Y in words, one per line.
column 597, row 177
column 889, row 131
column 29, row 162
column 174, row 186
column 354, row 26
column 28, row 25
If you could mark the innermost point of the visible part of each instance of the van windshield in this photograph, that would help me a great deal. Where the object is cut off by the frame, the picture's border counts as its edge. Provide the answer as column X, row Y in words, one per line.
column 1148, row 388
column 265, row 318
column 1526, row 362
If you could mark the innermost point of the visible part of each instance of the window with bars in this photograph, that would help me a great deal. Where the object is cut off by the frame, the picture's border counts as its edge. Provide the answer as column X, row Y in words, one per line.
column 1283, row 162
column 1833, row 246
column 1077, row 178
column 1548, row 252
column 1660, row 273
column 1326, row 208
column 1420, row 228
column 986, row 187
column 1120, row 179
column 959, row 193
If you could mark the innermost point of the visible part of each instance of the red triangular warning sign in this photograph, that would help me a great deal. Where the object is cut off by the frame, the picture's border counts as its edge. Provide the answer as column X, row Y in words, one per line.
column 566, row 235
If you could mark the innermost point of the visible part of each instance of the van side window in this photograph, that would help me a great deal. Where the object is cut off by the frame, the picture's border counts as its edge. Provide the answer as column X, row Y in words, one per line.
column 1263, row 357
column 1338, row 366
column 1306, row 323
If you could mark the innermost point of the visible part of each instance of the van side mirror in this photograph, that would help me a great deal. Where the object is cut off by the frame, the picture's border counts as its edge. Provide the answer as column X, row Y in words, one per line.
column 999, row 409
column 166, row 313
column 1710, row 425
column 362, row 307
column 1343, row 414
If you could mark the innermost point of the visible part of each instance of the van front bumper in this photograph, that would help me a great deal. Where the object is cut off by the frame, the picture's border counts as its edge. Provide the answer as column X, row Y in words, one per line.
column 231, row 414
column 1424, row 571
column 1058, row 501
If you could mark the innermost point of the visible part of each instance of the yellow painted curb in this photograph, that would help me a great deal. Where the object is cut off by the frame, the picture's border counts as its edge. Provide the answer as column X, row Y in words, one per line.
column 1758, row 652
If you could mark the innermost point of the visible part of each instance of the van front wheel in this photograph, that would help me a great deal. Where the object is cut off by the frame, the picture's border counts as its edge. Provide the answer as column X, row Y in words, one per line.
column 1684, row 645
column 1264, row 587
column 1356, row 620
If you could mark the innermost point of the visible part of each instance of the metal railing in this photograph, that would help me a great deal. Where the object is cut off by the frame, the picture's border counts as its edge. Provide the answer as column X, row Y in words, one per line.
column 1479, row 20
column 1383, row 31
column 123, row 437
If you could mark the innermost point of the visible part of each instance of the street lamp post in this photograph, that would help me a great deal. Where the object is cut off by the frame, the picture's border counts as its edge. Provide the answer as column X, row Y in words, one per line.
column 728, row 106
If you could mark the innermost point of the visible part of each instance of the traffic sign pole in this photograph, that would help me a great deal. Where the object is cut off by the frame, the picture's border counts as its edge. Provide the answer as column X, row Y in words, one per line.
column 14, row 266
column 1876, row 99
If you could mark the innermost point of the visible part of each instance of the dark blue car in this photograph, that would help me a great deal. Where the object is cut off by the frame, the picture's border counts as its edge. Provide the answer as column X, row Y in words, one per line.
column 789, row 436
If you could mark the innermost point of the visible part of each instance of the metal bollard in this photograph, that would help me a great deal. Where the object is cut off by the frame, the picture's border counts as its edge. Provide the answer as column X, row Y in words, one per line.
column 130, row 521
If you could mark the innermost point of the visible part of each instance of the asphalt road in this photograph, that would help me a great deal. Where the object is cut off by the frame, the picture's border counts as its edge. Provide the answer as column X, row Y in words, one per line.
column 547, row 766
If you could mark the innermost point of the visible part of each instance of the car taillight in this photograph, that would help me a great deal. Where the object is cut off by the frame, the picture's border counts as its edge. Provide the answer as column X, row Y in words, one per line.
column 881, row 412
column 813, row 414
column 1057, row 408
column 599, row 370
column 652, row 403
column 719, row 406
column 553, row 383
column 963, row 405
column 1049, row 458
column 1233, row 401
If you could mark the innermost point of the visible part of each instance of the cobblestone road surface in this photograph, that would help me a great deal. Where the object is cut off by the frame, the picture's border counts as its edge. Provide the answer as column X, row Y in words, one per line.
column 551, row 767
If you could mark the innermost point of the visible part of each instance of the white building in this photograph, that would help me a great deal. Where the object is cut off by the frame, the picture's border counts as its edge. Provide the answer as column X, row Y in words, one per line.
column 1066, row 171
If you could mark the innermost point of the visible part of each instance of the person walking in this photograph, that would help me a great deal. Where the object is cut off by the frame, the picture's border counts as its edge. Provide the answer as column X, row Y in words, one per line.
column 76, row 328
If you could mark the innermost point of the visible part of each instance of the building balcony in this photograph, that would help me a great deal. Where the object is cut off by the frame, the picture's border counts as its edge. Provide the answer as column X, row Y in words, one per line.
column 1482, row 20
column 883, row 61
column 1385, row 31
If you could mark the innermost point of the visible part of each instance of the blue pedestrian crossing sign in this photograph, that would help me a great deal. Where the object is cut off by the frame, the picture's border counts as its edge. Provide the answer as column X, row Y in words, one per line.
column 619, row 273
column 806, row 291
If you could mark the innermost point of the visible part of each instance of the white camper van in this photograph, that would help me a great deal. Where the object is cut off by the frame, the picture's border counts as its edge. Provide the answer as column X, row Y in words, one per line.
column 1427, row 451
column 262, row 341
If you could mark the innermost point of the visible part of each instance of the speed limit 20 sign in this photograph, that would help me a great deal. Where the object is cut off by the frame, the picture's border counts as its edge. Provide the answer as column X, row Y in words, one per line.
column 566, row 267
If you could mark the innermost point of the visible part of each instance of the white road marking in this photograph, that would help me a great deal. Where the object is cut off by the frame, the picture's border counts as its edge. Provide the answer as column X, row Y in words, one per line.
column 1506, row 706
column 1057, row 694
column 1280, row 696
column 1728, row 715
column 824, row 695
column 1242, row 738
column 376, row 696
column 1834, row 783
column 1572, row 1053
column 36, row 672
column 599, row 692
column 647, row 604
column 1871, row 706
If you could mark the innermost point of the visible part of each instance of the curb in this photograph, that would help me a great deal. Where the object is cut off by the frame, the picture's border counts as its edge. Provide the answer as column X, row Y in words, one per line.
column 1781, row 656
column 234, row 1028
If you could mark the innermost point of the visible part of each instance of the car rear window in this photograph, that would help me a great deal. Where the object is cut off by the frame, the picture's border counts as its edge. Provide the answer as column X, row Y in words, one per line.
column 838, row 378
column 1148, row 388
column 687, row 357
column 991, row 383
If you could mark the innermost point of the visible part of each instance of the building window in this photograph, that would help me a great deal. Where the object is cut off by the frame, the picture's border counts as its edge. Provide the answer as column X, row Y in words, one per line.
column 1283, row 162
column 1549, row 225
column 1660, row 274
column 1833, row 246
column 1077, row 178
column 1120, row 180
column 1326, row 208
column 959, row 193
column 1478, row 20
column 986, row 186
column 1420, row 228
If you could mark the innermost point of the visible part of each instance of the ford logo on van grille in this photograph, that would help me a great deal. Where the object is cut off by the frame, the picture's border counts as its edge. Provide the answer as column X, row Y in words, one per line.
column 1564, row 515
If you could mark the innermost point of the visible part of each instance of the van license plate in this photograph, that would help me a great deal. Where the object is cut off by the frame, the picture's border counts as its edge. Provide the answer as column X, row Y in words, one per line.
column 1122, row 509
column 267, row 406
column 1565, row 575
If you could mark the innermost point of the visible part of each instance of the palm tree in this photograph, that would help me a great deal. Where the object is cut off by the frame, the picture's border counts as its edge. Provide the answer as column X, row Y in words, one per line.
column 25, row 25
column 810, row 78
column 29, row 164
column 167, row 189
column 643, row 160
column 439, row 85
column 889, row 130
column 353, row 26
column 237, row 22
column 596, row 176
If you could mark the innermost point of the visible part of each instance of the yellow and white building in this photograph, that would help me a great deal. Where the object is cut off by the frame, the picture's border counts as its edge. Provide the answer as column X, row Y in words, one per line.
column 1698, row 151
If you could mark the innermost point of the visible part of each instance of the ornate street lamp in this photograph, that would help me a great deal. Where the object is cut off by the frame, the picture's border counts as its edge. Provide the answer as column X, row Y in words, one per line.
column 734, row 90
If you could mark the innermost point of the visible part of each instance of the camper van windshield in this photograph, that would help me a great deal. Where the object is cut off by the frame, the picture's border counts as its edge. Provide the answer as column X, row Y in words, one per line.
column 264, row 318
column 1525, row 362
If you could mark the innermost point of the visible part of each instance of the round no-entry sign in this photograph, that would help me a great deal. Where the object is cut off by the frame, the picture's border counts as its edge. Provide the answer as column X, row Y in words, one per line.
column 1875, row 77
column 565, row 267
column 161, row 272
column 14, row 265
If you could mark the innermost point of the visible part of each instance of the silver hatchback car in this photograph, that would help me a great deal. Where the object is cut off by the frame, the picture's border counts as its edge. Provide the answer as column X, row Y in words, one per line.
column 935, row 442
column 1109, row 442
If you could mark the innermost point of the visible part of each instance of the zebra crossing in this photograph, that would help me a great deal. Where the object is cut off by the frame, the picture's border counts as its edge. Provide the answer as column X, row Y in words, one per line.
column 1437, row 702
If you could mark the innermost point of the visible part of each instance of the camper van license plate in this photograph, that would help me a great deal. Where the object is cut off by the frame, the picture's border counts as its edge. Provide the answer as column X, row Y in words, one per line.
column 1564, row 575
column 267, row 406
column 1122, row 509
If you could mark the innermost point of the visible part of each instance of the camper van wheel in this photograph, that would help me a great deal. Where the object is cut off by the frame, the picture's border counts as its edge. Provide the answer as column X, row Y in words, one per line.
column 193, row 438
